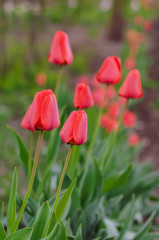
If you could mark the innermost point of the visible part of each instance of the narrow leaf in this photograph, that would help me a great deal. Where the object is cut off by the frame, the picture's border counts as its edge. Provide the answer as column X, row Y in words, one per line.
column 11, row 211
column 40, row 221
column 64, row 200
column 145, row 227
column 24, row 234
column 54, row 233
column 2, row 232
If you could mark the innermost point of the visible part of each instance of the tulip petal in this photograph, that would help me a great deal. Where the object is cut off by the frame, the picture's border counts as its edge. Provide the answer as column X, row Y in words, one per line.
column 80, row 128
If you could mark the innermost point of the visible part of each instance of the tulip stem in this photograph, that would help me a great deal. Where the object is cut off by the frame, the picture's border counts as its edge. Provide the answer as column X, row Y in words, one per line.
column 30, row 182
column 97, row 123
column 62, row 177
column 30, row 154
column 114, row 138
column 58, row 81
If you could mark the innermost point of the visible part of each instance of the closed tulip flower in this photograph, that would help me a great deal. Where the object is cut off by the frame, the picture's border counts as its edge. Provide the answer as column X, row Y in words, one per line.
column 115, row 109
column 131, row 87
column 60, row 52
column 110, row 71
column 74, row 131
column 43, row 112
column 83, row 96
column 109, row 123
column 129, row 119
column 134, row 139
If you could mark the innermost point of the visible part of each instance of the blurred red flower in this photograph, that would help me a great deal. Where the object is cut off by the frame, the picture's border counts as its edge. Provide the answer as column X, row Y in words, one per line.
column 129, row 119
column 134, row 139
column 109, row 123
column 40, row 79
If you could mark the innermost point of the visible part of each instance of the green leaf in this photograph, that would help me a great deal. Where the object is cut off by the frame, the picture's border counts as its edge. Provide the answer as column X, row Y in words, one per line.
column 50, row 225
column 11, row 211
column 87, row 184
column 1, row 210
column 62, row 234
column 2, row 232
column 54, row 232
column 64, row 200
column 55, row 139
column 117, row 180
column 24, row 234
column 22, row 153
column 128, row 220
column 20, row 148
column 79, row 233
column 40, row 221
column 145, row 227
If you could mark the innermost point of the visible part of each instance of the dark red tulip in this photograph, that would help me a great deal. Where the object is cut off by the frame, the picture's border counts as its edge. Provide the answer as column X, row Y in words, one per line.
column 129, row 119
column 134, row 139
column 110, row 71
column 131, row 87
column 74, row 131
column 43, row 112
column 83, row 96
column 60, row 52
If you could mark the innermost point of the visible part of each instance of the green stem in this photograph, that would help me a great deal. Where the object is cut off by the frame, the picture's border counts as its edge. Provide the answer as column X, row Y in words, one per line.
column 97, row 124
column 114, row 139
column 30, row 154
column 30, row 182
column 62, row 177
column 58, row 81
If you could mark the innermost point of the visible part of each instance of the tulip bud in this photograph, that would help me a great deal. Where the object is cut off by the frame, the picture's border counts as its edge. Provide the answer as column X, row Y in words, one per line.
column 110, row 71
column 60, row 52
column 43, row 112
column 83, row 96
column 131, row 87
column 74, row 131
column 109, row 123
column 129, row 119
column 134, row 139
column 115, row 109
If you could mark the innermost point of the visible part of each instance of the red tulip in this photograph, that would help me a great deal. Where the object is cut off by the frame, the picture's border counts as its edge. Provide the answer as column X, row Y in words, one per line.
column 109, row 123
column 148, row 25
column 74, row 131
column 131, row 87
column 83, row 96
column 115, row 110
column 98, row 95
column 111, row 92
column 110, row 71
column 130, row 63
column 43, row 112
column 129, row 119
column 60, row 52
column 134, row 139
column 40, row 79
column 84, row 79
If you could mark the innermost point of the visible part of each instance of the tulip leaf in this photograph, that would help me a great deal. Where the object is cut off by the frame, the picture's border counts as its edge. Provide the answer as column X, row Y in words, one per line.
column 62, row 234
column 117, row 180
column 22, row 153
column 20, row 148
column 50, row 225
column 128, row 219
column 24, row 234
column 145, row 227
column 87, row 184
column 53, row 233
column 11, row 211
column 40, row 221
column 2, row 232
column 64, row 200
column 55, row 139
column 79, row 233
column 1, row 210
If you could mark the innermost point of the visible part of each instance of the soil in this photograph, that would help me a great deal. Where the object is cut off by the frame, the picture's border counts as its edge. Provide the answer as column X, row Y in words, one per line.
column 147, row 113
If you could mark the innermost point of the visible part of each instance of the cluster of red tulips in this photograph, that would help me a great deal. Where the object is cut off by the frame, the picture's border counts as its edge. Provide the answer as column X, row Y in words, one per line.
column 43, row 114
